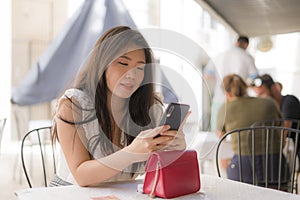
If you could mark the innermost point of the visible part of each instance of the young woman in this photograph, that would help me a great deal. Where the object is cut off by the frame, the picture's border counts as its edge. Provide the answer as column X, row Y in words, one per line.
column 107, row 123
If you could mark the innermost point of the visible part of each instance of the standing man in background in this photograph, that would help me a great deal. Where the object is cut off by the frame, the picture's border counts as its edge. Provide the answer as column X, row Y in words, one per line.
column 235, row 60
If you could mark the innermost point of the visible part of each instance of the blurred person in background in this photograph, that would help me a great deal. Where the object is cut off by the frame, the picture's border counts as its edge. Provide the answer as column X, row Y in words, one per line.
column 279, row 86
column 235, row 60
column 241, row 111
column 264, row 86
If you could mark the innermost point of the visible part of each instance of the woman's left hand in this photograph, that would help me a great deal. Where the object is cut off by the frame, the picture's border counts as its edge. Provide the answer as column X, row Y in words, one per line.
column 178, row 143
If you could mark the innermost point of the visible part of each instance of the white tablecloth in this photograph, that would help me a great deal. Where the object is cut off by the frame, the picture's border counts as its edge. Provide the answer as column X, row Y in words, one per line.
column 212, row 188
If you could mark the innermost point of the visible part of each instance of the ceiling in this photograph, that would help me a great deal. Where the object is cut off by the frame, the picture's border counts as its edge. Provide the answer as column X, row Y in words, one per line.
column 256, row 17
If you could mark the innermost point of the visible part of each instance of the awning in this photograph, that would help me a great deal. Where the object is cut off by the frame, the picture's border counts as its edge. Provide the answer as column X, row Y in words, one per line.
column 256, row 17
column 59, row 63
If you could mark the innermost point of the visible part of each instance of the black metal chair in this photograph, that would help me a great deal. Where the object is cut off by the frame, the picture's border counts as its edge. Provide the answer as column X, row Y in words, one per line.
column 295, row 123
column 2, row 125
column 292, row 123
column 259, row 156
column 39, row 142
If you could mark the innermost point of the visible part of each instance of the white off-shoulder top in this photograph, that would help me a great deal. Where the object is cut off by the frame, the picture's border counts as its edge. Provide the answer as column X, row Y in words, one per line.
column 90, row 130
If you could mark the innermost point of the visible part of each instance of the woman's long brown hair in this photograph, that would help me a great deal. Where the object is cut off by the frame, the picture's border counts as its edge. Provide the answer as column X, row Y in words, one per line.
column 92, row 81
column 235, row 85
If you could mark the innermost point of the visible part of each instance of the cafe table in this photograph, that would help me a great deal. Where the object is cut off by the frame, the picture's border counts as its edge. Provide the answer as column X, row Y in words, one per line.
column 212, row 188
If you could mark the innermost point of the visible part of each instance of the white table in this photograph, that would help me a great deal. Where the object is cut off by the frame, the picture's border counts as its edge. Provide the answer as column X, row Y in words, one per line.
column 212, row 188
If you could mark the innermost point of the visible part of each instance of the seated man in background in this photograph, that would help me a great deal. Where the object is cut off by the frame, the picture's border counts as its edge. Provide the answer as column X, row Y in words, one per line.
column 278, row 86
column 264, row 86
column 240, row 111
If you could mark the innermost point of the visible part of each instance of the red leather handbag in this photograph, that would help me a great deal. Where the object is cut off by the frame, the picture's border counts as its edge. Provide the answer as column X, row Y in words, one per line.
column 171, row 174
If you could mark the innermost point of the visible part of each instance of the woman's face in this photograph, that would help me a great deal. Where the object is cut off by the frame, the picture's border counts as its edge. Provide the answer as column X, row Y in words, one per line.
column 125, row 74
column 262, row 91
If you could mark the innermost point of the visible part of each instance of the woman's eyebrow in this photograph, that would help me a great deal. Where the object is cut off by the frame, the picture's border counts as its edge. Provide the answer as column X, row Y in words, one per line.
column 128, row 58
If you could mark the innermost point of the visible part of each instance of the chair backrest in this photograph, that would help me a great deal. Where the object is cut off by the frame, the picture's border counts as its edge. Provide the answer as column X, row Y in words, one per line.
column 259, row 157
column 289, row 123
column 2, row 125
column 38, row 156
column 295, row 123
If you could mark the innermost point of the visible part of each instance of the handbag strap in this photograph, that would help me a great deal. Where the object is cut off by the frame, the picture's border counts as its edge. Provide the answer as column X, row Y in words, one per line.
column 152, row 195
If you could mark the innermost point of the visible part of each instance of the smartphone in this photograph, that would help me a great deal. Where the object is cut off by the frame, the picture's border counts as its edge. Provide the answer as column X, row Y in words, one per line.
column 174, row 115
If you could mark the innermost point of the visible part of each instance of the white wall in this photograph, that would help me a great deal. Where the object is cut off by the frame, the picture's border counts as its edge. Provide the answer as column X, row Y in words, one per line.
column 5, row 65
column 282, row 62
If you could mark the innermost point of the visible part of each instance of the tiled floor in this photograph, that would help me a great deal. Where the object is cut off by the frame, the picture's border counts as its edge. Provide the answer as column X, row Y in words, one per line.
column 11, row 175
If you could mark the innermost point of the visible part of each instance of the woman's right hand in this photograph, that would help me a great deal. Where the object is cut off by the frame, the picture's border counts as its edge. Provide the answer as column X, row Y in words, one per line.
column 146, row 142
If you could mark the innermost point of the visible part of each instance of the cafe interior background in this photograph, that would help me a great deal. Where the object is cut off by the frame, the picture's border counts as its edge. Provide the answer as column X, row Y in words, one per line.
column 29, row 26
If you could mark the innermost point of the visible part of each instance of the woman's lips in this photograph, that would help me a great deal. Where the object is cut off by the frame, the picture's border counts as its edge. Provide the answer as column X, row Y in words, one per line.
column 127, row 86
